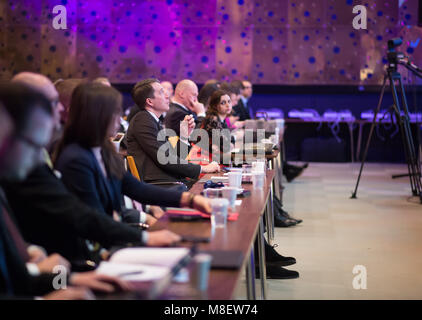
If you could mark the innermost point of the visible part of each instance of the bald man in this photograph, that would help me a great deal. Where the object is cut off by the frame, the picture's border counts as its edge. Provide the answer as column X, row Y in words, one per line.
column 44, row 85
column 185, row 103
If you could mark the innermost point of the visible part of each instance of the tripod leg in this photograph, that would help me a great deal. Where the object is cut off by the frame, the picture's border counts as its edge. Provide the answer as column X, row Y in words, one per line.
column 371, row 131
column 401, row 122
column 414, row 169
column 414, row 173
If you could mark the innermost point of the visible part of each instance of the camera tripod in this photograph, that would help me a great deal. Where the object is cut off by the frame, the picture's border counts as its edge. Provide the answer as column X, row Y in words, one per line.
column 402, row 117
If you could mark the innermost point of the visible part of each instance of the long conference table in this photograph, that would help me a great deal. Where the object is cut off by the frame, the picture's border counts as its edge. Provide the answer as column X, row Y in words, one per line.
column 238, row 235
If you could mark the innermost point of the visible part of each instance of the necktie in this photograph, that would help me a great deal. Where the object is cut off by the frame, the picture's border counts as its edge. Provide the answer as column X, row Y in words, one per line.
column 160, row 123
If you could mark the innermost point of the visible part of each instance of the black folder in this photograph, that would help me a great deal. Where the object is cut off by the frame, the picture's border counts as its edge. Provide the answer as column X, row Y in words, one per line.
column 227, row 259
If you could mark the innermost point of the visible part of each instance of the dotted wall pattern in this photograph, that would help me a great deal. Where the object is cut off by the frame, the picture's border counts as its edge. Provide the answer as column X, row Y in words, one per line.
column 266, row 41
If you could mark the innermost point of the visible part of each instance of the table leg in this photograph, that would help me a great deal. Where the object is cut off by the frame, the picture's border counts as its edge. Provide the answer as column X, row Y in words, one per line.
column 269, row 217
column 271, row 204
column 250, row 277
column 261, row 259
column 269, row 209
column 277, row 177
column 280, row 161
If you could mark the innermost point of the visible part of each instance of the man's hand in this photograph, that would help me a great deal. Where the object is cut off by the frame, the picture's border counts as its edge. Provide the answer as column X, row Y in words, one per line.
column 48, row 264
column 162, row 238
column 150, row 220
column 199, row 202
column 70, row 294
column 202, row 204
column 36, row 254
column 156, row 211
column 197, row 107
column 99, row 282
column 186, row 127
column 211, row 168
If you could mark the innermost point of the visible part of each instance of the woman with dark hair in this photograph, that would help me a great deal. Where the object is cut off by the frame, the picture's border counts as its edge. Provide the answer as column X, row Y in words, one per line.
column 234, row 92
column 90, row 166
column 214, row 123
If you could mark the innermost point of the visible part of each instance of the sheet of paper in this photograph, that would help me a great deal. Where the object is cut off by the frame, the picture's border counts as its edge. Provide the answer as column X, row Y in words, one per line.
column 166, row 257
column 238, row 202
column 219, row 179
column 132, row 272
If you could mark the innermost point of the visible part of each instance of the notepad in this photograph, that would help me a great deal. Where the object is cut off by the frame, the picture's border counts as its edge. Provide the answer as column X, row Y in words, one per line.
column 163, row 257
column 232, row 216
column 132, row 272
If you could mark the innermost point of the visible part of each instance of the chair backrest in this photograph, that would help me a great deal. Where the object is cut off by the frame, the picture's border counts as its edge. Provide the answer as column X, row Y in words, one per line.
column 132, row 167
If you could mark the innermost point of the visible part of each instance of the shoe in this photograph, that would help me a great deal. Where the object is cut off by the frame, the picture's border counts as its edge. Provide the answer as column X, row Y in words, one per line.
column 292, row 174
column 288, row 166
column 297, row 220
column 273, row 258
column 278, row 273
column 286, row 215
column 283, row 222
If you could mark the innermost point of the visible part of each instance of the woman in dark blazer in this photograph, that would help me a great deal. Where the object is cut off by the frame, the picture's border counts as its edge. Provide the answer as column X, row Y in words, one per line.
column 220, row 106
column 90, row 166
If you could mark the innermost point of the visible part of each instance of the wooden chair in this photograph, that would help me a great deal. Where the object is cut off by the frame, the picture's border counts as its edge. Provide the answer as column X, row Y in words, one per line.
column 132, row 167
column 134, row 170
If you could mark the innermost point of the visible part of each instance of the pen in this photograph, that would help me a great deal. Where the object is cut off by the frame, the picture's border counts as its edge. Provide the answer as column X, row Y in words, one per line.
column 129, row 273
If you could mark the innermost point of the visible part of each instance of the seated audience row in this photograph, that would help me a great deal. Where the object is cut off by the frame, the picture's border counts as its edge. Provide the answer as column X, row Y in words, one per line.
column 70, row 211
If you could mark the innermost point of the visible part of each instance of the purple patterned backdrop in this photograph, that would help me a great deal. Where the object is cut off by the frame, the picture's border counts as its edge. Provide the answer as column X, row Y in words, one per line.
column 266, row 41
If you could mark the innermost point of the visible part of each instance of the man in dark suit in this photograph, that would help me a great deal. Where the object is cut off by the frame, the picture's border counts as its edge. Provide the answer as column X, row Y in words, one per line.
column 184, row 103
column 155, row 158
column 21, row 147
column 242, row 109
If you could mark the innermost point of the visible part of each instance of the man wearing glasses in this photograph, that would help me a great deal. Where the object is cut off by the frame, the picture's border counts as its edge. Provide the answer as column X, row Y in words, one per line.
column 43, row 84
